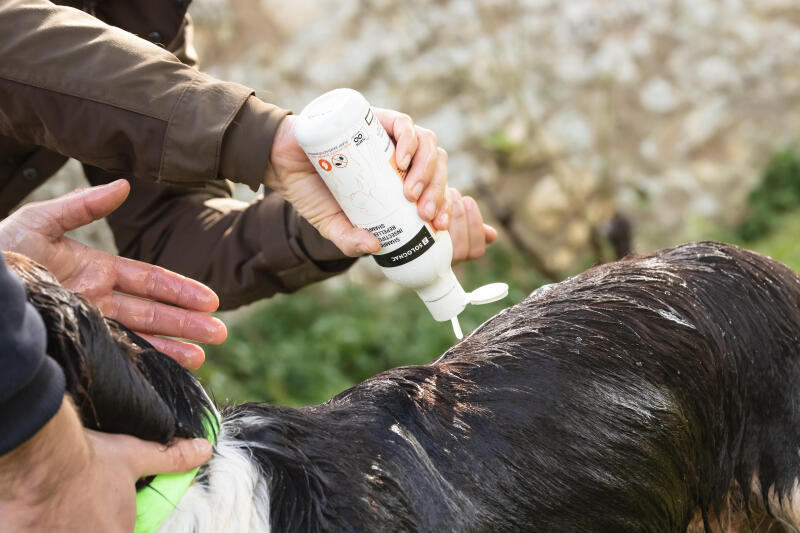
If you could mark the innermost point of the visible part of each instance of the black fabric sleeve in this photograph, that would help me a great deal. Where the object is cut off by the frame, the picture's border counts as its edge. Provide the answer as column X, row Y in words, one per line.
column 31, row 383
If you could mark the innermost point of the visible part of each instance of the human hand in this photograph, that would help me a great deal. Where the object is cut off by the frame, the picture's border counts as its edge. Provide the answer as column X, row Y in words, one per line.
column 126, row 290
column 467, row 230
column 292, row 175
column 67, row 478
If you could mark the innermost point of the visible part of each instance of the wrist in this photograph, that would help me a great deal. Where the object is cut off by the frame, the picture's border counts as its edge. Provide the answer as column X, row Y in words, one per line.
column 284, row 146
column 35, row 476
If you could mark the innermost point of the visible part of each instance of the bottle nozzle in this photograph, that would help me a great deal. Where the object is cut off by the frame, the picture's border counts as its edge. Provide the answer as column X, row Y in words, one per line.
column 457, row 328
column 446, row 298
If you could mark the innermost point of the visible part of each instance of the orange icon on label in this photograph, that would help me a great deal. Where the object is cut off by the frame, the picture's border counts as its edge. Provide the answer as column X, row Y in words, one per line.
column 325, row 164
column 339, row 160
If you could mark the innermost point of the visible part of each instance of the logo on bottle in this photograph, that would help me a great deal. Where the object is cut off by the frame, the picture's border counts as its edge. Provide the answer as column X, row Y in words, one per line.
column 417, row 246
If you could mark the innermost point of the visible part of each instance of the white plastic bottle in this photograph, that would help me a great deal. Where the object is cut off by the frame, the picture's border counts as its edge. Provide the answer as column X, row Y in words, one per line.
column 355, row 157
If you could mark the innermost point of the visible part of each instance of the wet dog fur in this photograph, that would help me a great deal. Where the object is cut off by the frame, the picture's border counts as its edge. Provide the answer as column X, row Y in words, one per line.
column 657, row 393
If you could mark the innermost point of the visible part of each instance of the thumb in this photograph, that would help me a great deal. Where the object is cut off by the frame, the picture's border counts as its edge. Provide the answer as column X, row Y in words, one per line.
column 349, row 239
column 82, row 206
column 149, row 458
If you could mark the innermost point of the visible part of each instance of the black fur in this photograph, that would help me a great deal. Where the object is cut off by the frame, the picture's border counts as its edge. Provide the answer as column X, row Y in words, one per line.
column 118, row 381
column 624, row 399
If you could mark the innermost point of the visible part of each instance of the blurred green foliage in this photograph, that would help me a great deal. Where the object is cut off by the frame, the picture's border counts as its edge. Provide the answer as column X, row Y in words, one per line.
column 306, row 347
column 777, row 193
column 783, row 243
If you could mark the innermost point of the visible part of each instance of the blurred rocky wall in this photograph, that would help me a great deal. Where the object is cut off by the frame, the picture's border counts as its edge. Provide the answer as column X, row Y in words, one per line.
column 662, row 110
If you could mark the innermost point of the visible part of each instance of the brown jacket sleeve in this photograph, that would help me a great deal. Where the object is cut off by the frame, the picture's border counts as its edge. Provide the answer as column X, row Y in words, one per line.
column 108, row 98
column 244, row 252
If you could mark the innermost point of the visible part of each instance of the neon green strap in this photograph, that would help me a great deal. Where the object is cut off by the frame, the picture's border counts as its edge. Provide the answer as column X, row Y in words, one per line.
column 155, row 502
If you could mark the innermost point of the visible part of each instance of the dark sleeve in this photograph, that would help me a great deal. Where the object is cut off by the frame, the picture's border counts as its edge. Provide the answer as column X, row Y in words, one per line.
column 244, row 252
column 31, row 383
column 91, row 91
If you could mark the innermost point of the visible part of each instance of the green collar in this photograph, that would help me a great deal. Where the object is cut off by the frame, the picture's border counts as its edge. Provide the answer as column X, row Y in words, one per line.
column 156, row 501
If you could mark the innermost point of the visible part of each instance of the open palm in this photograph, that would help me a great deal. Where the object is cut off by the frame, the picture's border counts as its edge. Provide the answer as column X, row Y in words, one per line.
column 126, row 290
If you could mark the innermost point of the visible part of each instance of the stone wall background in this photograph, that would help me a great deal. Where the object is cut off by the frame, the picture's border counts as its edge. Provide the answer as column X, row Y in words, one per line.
column 664, row 110
column 567, row 112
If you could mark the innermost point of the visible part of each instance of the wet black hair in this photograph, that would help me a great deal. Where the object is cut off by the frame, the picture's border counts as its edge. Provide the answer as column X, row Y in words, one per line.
column 629, row 398
column 118, row 381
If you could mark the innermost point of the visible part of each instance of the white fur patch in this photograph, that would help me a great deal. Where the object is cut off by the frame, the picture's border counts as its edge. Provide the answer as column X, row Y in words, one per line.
column 786, row 509
column 235, row 499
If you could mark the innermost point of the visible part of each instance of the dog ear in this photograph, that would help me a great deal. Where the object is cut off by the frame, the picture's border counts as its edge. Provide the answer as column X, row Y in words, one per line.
column 110, row 372
column 181, row 393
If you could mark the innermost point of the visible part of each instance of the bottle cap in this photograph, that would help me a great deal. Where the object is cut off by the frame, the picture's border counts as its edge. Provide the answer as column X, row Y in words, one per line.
column 482, row 295
column 488, row 293
column 445, row 297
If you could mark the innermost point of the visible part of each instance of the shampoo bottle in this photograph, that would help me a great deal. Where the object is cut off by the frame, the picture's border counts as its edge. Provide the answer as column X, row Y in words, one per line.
column 354, row 155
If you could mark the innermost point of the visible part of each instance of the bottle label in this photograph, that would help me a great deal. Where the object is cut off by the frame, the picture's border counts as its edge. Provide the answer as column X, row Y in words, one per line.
column 362, row 174
column 408, row 252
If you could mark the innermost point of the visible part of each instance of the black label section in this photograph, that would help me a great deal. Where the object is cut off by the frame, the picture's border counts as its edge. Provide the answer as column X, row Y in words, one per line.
column 408, row 252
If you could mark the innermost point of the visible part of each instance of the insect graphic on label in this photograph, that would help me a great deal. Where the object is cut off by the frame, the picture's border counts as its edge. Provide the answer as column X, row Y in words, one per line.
column 339, row 160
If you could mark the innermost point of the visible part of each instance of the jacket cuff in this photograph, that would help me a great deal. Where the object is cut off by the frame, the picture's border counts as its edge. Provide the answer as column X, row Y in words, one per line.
column 32, row 406
column 247, row 142
column 193, row 140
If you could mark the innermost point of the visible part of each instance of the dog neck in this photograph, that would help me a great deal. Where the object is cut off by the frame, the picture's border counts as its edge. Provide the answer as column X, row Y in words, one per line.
column 229, row 494
column 156, row 501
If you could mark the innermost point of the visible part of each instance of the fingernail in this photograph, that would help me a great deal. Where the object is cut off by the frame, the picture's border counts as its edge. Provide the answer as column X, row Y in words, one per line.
column 201, row 446
column 429, row 210
column 210, row 301
column 416, row 191
column 97, row 190
column 442, row 220
column 214, row 330
column 405, row 161
column 196, row 361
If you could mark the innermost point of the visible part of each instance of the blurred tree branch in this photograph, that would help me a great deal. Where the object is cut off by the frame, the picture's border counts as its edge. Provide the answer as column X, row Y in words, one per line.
column 505, row 218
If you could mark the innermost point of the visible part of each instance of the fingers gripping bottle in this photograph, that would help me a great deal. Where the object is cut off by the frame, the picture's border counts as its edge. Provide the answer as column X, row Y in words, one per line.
column 355, row 157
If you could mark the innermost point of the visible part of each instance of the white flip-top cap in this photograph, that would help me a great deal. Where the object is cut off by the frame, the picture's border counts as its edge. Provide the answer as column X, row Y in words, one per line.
column 488, row 293
column 445, row 298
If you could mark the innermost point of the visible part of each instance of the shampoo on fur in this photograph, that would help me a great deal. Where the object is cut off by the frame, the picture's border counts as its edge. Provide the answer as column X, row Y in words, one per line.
column 355, row 157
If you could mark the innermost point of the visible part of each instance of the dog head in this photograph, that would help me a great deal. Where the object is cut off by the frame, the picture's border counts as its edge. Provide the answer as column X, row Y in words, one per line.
column 118, row 381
